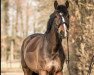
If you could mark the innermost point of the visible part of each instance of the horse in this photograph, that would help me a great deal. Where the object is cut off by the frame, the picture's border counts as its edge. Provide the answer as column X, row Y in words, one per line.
column 43, row 54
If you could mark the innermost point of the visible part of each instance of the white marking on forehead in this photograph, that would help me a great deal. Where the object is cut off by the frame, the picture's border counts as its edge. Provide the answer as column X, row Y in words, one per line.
column 65, row 28
column 60, row 13
column 62, row 17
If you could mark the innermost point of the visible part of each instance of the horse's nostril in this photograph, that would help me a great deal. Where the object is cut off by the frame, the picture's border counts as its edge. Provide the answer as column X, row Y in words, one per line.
column 62, row 34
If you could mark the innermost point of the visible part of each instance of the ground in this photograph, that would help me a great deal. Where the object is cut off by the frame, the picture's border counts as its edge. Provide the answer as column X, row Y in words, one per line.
column 14, row 68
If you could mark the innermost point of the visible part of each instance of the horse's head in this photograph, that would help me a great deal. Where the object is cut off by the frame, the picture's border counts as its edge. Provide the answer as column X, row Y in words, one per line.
column 61, row 18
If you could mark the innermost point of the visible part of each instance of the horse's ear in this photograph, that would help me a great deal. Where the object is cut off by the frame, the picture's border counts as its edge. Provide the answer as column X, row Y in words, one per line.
column 55, row 4
column 67, row 4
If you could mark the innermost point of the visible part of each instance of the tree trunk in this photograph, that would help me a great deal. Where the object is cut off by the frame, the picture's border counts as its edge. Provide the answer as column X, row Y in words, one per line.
column 5, row 27
column 81, row 35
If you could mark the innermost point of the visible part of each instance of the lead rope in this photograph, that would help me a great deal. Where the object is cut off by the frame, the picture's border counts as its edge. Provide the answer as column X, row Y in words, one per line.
column 68, row 59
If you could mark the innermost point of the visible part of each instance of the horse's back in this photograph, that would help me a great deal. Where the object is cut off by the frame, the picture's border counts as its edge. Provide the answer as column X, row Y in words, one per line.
column 31, row 38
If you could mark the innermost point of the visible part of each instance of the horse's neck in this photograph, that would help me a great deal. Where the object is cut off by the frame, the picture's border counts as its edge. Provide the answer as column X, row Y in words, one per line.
column 52, row 37
column 52, row 40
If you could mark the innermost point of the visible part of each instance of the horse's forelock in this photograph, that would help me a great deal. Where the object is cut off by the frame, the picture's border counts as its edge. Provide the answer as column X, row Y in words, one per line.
column 62, row 9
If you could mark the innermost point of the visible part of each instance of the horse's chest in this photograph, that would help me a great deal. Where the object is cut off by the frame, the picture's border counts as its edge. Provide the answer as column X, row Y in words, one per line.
column 53, row 65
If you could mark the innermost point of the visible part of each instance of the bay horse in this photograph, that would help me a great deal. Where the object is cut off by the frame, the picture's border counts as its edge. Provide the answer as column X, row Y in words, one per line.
column 43, row 54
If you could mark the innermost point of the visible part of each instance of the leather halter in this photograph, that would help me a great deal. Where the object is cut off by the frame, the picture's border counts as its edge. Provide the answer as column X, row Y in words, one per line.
column 63, row 23
column 62, row 19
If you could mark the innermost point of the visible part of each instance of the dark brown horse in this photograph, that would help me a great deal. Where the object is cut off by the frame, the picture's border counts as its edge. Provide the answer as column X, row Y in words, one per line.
column 43, row 53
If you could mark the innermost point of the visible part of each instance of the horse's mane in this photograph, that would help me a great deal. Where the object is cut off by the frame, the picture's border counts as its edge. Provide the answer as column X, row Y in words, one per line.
column 50, row 22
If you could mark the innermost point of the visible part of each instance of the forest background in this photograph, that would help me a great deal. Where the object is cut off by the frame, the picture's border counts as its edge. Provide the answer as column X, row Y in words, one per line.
column 21, row 18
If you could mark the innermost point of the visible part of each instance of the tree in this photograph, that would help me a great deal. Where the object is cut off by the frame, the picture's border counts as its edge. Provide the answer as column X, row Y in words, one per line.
column 5, row 24
column 81, row 35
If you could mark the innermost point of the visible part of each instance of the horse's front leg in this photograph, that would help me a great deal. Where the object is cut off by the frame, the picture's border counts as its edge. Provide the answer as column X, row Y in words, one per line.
column 43, row 73
column 59, row 73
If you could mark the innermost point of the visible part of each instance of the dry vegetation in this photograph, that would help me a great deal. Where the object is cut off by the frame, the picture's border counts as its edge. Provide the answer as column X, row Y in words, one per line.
column 20, row 18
